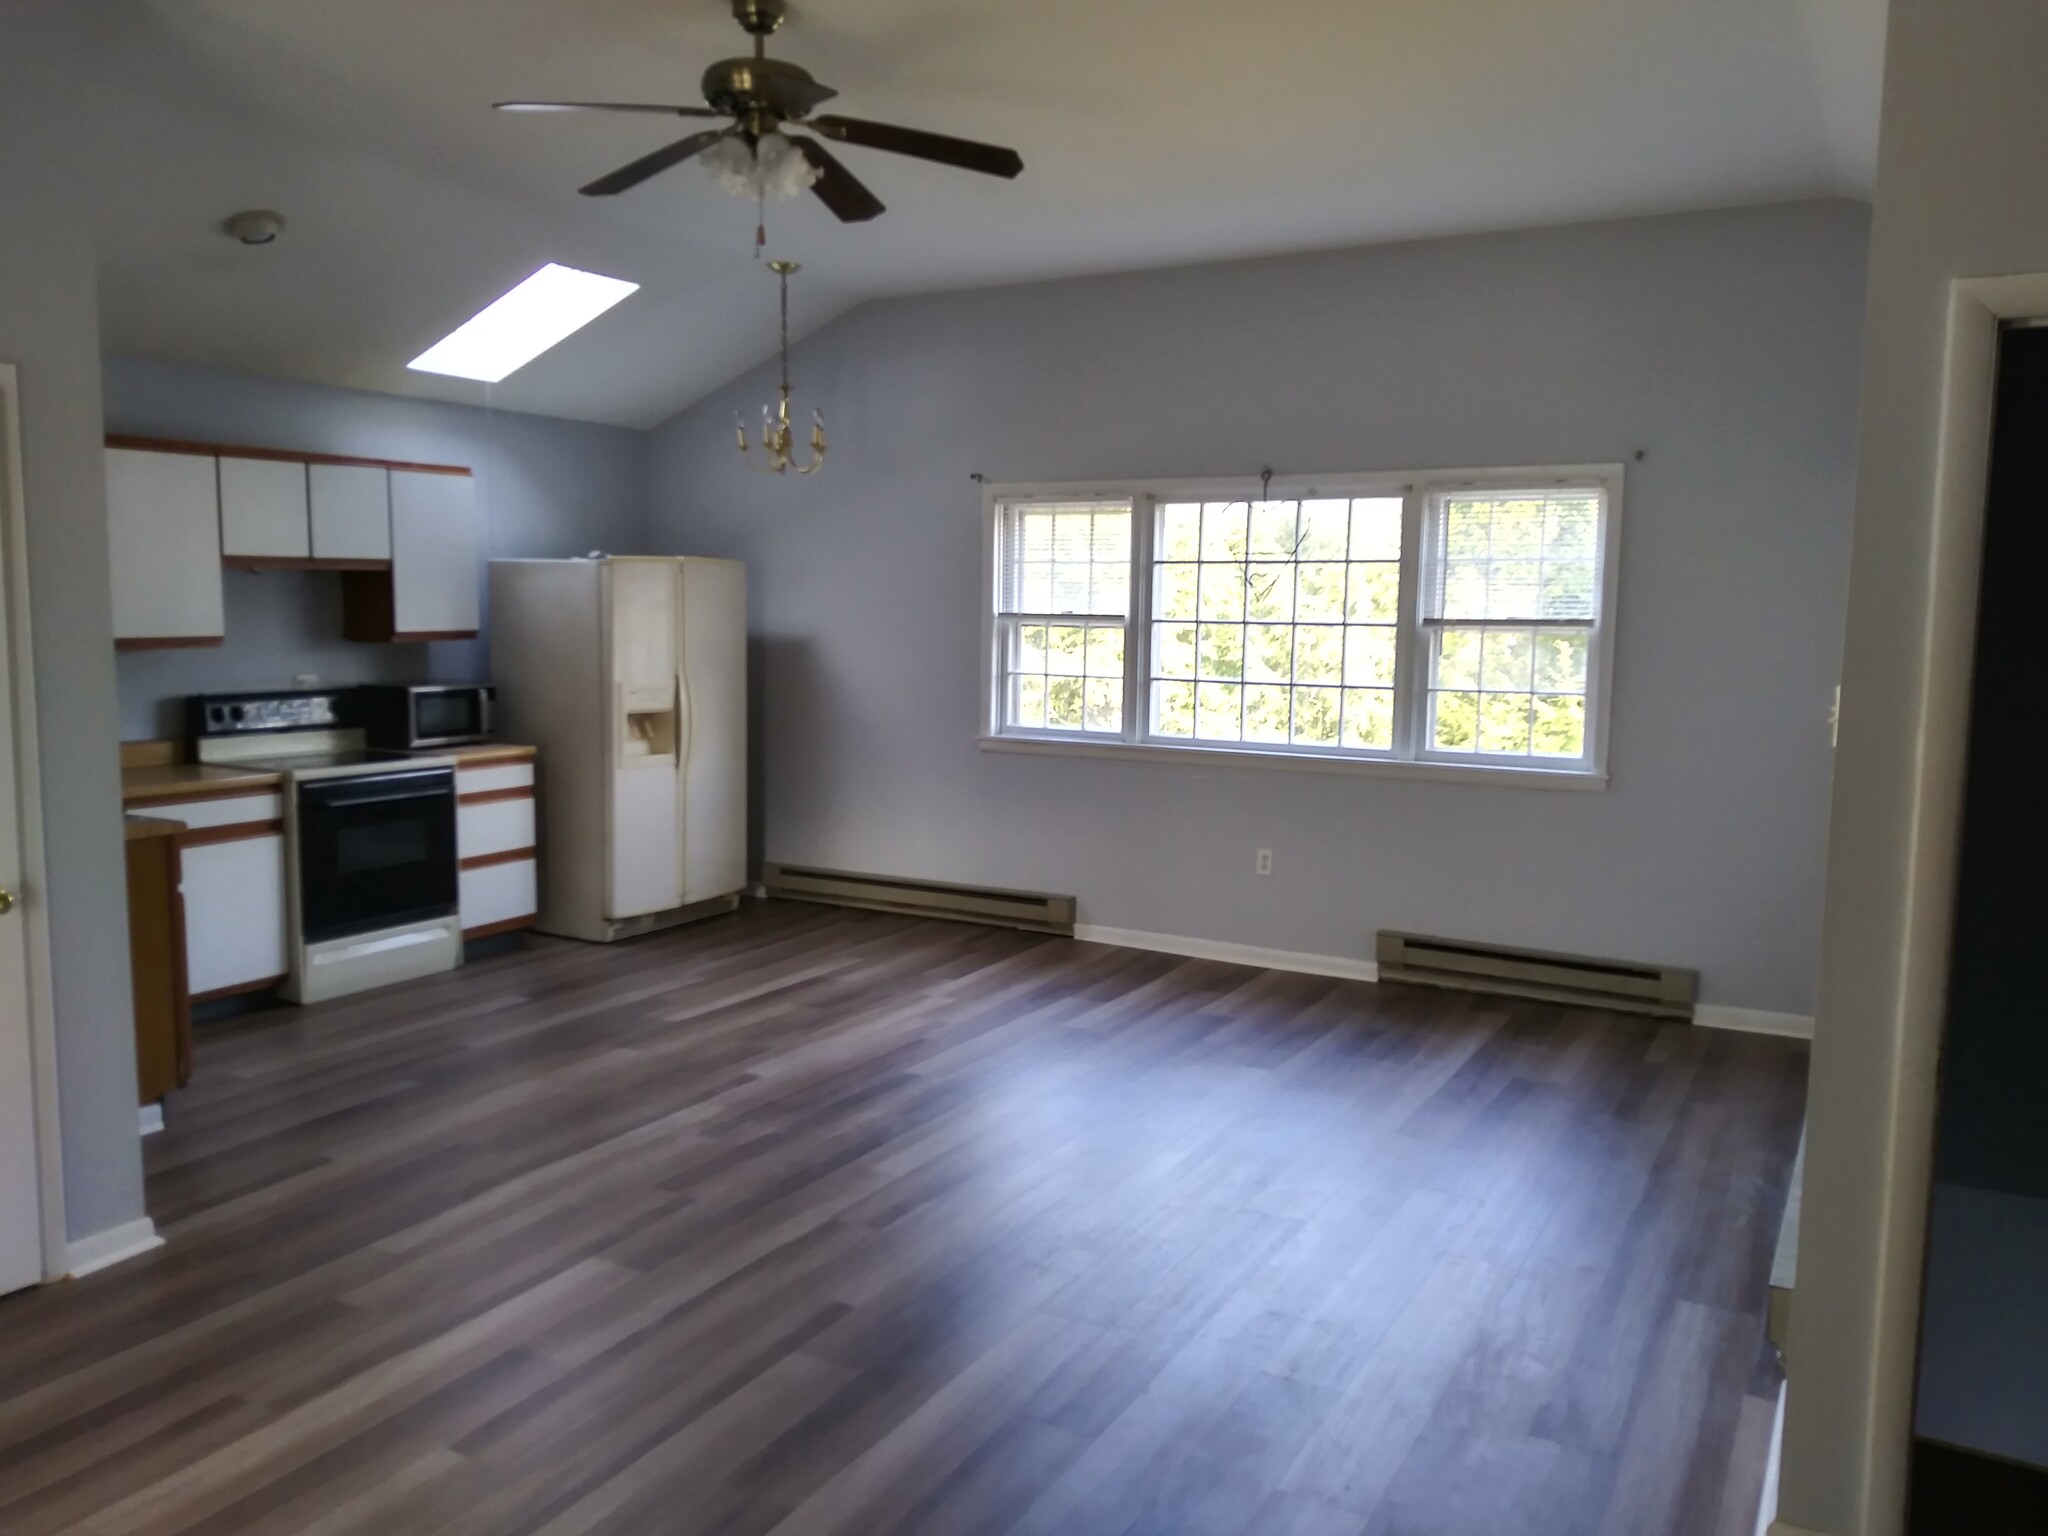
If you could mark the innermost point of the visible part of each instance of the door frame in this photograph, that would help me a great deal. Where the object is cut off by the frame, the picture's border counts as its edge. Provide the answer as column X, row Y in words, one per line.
column 1873, row 1392
column 35, row 912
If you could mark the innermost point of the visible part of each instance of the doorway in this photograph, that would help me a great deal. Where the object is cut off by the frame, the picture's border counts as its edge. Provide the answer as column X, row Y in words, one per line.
column 31, row 1223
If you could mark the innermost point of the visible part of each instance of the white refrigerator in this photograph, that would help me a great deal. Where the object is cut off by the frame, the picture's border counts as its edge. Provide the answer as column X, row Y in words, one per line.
column 630, row 675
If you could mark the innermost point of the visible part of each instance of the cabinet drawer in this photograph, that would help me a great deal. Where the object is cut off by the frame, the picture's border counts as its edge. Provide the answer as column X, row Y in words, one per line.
column 234, row 914
column 499, row 893
column 233, row 810
column 476, row 781
column 495, row 826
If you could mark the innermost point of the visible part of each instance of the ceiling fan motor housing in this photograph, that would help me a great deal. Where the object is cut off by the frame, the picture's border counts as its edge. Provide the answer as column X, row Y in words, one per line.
column 745, row 87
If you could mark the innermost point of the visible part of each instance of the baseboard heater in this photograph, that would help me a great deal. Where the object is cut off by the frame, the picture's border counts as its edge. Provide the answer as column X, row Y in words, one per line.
column 922, row 898
column 1665, row 991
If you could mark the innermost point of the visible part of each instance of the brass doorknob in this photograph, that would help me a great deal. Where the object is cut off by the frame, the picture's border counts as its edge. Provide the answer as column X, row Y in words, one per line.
column 6, row 902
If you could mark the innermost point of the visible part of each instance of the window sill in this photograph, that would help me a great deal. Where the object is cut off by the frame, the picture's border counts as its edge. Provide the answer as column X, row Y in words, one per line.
column 1502, row 777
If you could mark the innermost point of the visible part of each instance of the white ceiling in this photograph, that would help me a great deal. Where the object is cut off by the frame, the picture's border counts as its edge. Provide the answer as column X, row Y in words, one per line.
column 1155, row 132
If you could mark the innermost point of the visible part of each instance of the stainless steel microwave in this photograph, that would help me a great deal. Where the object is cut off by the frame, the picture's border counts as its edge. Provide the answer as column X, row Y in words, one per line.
column 425, row 714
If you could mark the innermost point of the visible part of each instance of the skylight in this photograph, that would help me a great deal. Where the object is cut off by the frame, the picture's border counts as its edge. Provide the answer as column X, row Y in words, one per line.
column 512, row 331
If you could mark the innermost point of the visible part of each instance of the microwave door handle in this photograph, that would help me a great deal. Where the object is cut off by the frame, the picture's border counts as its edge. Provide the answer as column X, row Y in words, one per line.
column 486, row 710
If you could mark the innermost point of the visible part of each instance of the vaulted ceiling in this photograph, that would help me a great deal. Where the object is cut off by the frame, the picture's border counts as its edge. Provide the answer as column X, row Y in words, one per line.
column 1154, row 132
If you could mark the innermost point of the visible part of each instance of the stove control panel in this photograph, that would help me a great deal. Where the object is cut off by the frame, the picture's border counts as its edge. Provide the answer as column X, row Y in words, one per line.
column 239, row 714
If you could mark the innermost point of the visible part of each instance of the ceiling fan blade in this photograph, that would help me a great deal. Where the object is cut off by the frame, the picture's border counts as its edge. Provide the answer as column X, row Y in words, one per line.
column 603, row 106
column 653, row 165
column 989, row 159
column 837, row 187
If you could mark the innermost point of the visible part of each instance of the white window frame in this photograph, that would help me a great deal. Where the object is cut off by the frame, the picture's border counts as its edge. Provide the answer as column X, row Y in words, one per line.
column 1410, row 756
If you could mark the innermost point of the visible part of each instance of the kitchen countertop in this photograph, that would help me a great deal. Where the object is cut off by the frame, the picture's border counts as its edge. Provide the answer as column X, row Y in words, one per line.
column 166, row 782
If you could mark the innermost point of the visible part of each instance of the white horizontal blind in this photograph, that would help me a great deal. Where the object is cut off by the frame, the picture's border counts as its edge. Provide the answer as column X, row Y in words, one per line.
column 1511, row 604
column 1063, row 597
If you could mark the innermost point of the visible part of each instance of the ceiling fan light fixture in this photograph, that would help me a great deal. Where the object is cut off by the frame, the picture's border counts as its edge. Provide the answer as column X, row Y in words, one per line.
column 771, row 167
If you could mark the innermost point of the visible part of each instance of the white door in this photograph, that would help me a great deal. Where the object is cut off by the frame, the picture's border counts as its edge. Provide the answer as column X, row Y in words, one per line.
column 21, row 1205
column 163, row 544
column 351, row 512
column 263, row 509
column 436, row 554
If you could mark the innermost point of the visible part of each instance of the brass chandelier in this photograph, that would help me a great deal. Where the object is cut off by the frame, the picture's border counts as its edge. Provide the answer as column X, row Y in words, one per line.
column 778, row 437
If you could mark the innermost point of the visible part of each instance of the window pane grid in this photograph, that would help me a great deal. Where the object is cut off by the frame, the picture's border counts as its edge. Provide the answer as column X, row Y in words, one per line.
column 1275, row 622
column 1063, row 590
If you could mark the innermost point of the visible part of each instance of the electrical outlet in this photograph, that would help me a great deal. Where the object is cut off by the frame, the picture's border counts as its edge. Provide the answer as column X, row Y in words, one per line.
column 1263, row 864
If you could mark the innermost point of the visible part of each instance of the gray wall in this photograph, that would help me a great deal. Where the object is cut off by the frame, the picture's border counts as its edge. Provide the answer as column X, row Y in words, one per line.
column 1723, row 345
column 548, row 487
column 49, row 329
column 1959, row 195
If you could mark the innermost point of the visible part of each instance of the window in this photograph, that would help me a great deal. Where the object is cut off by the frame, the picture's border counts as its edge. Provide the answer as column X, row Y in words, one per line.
column 1274, row 621
column 1513, row 583
column 1451, row 625
column 1063, row 600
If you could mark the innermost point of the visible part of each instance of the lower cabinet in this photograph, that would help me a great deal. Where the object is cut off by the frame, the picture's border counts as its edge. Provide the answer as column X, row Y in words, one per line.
column 235, row 914
column 495, row 839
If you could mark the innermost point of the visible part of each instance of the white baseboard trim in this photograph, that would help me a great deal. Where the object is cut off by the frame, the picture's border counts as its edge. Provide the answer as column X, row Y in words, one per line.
column 105, row 1249
column 151, row 1119
column 1754, row 1021
column 1787, row 1528
column 1231, row 954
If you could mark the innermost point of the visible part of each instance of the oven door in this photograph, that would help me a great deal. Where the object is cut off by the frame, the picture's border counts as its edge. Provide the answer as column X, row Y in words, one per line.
column 376, row 850
column 449, row 716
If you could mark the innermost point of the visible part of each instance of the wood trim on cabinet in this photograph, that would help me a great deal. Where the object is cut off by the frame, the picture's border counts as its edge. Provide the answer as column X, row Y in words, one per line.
column 503, row 856
column 486, row 796
column 506, row 925
column 239, row 988
column 233, row 832
column 279, row 455
column 300, row 563
column 164, row 642
column 422, row 636
column 157, row 799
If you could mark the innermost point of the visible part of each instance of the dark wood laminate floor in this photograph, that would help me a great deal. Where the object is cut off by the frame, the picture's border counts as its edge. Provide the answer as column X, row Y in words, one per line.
column 814, row 1221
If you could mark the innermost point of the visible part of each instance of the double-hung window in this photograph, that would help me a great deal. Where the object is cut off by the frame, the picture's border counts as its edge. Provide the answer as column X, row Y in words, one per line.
column 1456, row 624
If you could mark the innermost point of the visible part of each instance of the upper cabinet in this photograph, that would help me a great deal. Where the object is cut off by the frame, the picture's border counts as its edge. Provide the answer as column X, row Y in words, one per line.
column 263, row 509
column 351, row 511
column 436, row 555
column 163, row 545
column 408, row 536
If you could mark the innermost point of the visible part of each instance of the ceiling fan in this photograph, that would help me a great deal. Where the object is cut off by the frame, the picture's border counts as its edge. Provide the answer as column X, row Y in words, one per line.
column 764, row 97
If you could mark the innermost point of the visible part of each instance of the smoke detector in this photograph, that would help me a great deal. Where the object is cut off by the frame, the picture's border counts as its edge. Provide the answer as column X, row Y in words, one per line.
column 255, row 226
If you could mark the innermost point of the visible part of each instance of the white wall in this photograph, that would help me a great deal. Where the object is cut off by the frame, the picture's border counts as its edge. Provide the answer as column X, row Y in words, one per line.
column 547, row 488
column 49, row 329
column 1960, row 194
column 1724, row 346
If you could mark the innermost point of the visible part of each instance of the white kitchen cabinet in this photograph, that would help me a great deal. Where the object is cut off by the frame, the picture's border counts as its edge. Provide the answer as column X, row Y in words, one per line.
column 351, row 506
column 436, row 555
column 499, row 894
column 235, row 921
column 163, row 546
column 493, row 826
column 263, row 509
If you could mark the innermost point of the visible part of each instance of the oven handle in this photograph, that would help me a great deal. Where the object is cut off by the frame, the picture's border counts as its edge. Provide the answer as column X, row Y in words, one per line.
column 424, row 787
